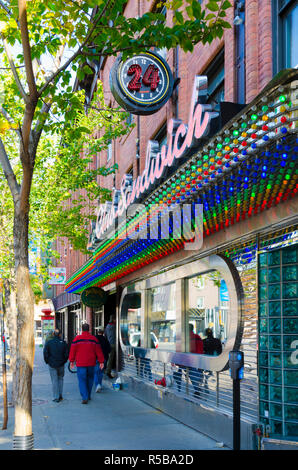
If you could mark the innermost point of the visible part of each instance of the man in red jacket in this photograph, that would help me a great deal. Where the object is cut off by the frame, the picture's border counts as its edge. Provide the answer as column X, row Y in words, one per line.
column 84, row 351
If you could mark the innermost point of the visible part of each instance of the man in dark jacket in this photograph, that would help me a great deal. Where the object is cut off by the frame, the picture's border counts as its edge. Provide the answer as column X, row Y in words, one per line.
column 110, row 334
column 55, row 354
column 212, row 346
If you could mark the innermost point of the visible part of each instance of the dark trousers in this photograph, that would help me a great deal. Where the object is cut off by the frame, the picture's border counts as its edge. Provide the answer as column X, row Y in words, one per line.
column 111, row 358
column 86, row 379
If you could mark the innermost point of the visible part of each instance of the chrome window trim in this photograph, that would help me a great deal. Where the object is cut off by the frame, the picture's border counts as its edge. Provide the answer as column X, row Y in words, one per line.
column 235, row 318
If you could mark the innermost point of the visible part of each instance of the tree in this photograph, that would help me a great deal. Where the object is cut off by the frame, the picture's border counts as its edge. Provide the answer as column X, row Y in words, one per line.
column 67, row 32
column 61, row 169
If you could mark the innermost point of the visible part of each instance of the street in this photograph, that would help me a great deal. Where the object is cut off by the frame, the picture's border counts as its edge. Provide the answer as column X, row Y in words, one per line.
column 112, row 420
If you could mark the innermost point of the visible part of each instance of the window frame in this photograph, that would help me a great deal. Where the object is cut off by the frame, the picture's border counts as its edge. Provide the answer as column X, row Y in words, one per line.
column 277, row 32
column 110, row 151
column 212, row 72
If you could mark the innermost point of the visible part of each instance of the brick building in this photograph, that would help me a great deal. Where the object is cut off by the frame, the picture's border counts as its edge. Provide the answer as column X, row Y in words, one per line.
column 244, row 176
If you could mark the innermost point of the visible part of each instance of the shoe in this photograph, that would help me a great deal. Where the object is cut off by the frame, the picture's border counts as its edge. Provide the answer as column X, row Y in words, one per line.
column 56, row 400
column 98, row 388
column 60, row 398
column 84, row 402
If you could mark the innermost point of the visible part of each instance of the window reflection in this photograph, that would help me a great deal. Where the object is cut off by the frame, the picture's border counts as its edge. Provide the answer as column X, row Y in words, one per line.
column 162, row 301
column 207, row 313
column 130, row 322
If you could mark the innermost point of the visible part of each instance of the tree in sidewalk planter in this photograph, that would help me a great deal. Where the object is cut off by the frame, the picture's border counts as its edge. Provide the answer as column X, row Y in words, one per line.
column 62, row 168
column 49, row 41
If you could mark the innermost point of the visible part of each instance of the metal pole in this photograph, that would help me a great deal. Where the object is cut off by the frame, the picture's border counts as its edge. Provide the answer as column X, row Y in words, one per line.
column 236, row 414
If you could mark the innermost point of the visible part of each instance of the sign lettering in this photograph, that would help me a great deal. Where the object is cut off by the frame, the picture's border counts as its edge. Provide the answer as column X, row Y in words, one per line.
column 182, row 138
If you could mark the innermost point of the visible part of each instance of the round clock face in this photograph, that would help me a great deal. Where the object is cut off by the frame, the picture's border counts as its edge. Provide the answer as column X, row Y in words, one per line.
column 142, row 84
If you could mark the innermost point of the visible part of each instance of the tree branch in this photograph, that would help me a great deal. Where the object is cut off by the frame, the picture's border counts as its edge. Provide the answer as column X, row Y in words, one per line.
column 27, row 49
column 37, row 131
column 4, row 7
column 73, row 57
column 9, row 173
column 14, row 70
column 99, row 54
column 9, row 120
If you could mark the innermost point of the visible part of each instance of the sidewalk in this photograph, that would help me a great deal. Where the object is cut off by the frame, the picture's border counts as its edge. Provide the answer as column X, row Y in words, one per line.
column 112, row 420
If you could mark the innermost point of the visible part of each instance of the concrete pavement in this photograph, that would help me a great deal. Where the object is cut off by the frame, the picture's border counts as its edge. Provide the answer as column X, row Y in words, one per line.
column 112, row 420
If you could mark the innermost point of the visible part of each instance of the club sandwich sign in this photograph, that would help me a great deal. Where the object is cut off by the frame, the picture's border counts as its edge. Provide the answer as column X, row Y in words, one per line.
column 182, row 138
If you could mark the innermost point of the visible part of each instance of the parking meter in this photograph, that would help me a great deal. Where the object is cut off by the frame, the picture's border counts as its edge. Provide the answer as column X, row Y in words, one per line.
column 236, row 364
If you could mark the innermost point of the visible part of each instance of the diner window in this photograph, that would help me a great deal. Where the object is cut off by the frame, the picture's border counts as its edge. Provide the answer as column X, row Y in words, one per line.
column 162, row 321
column 207, row 312
column 285, row 34
column 130, row 323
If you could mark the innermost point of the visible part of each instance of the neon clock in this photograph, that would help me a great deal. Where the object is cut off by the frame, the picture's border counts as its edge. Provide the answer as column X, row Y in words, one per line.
column 141, row 84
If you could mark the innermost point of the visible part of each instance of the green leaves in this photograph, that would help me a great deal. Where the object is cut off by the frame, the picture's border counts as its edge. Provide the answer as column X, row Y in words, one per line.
column 212, row 6
column 63, row 161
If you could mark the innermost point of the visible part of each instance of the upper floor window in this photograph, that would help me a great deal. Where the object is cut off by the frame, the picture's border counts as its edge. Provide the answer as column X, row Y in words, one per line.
column 161, row 8
column 285, row 34
column 109, row 151
column 216, row 80
column 161, row 136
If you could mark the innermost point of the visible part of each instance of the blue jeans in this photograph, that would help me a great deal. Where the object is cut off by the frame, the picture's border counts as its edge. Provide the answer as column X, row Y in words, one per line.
column 86, row 379
column 98, row 374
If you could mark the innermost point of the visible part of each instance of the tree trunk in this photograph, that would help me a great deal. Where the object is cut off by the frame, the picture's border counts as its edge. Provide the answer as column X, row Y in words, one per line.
column 11, row 317
column 25, row 326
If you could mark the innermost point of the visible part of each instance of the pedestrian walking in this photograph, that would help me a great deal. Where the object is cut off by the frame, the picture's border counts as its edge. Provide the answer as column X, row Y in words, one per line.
column 106, row 348
column 55, row 354
column 212, row 346
column 84, row 351
column 110, row 333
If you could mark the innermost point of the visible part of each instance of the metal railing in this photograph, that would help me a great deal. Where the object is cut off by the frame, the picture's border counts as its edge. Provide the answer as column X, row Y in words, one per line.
column 210, row 389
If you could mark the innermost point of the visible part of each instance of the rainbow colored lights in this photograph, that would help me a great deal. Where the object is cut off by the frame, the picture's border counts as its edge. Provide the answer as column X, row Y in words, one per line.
column 247, row 168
